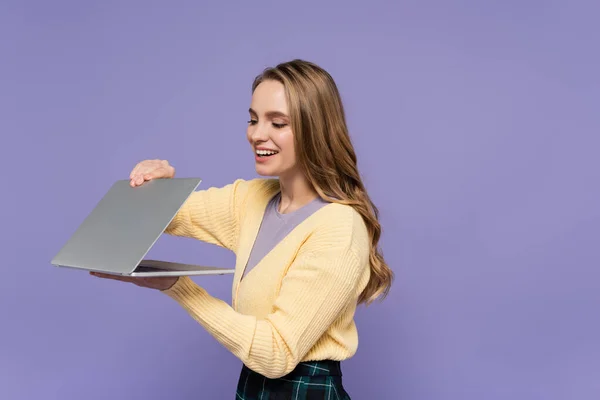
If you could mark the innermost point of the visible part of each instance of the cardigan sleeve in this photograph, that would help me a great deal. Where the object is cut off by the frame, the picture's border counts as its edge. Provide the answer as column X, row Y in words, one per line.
column 211, row 215
column 325, row 278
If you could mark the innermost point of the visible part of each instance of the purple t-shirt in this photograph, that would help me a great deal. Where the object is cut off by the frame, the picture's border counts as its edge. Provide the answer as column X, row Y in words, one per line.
column 275, row 226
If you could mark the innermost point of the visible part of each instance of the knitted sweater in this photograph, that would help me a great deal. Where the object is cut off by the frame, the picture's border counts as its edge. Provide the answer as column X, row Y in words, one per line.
column 298, row 303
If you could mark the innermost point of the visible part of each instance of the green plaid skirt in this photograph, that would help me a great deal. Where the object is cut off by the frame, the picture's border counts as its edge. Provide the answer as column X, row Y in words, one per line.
column 308, row 381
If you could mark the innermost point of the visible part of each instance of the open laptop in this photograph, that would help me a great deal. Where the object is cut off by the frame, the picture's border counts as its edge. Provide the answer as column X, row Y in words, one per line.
column 118, row 233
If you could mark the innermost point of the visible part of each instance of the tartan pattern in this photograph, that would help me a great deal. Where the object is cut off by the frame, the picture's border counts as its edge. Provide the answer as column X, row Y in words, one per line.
column 315, row 380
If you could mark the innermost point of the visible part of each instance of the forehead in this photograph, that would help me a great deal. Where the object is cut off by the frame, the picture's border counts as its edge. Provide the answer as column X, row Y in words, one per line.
column 269, row 96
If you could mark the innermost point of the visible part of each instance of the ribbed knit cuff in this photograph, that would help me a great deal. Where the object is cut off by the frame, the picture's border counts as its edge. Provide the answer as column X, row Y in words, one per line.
column 185, row 289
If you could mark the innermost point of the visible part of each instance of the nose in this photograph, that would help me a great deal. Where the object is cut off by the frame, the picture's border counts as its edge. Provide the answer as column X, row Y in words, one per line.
column 259, row 133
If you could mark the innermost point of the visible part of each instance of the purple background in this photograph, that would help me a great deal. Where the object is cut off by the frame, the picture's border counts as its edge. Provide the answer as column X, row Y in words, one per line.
column 476, row 126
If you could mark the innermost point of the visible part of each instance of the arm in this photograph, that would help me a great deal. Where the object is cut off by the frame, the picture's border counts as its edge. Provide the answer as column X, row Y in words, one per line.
column 211, row 215
column 325, row 278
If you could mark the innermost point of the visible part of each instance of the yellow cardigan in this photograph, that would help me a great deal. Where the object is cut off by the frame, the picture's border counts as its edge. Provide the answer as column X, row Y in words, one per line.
column 298, row 303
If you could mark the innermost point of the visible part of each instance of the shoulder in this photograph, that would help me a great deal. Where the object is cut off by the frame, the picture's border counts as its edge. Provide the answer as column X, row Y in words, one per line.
column 337, row 245
column 240, row 191
column 341, row 227
column 244, row 189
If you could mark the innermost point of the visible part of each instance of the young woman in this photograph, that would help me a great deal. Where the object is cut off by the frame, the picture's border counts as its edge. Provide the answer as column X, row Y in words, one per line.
column 306, row 242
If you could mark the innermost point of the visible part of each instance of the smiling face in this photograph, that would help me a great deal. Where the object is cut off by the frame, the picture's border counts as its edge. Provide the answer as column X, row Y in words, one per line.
column 270, row 132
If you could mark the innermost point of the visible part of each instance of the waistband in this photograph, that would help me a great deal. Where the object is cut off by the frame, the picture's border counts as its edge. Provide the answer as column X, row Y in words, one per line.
column 312, row 368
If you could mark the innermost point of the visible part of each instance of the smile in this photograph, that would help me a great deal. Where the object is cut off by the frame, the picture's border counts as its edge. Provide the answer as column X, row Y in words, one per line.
column 265, row 153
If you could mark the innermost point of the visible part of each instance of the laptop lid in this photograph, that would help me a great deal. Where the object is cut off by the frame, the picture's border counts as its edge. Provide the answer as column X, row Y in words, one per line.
column 124, row 225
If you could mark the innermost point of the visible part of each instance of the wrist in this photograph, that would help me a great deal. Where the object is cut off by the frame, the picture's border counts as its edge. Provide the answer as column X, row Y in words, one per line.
column 170, row 284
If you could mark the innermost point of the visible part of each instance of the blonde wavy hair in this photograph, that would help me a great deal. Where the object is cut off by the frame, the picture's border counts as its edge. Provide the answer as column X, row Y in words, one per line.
column 325, row 153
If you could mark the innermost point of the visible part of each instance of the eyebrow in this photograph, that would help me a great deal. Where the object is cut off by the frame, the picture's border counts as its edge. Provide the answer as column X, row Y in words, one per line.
column 270, row 114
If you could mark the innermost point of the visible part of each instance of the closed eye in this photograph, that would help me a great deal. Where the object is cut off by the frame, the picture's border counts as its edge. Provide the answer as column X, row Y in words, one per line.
column 252, row 122
column 279, row 126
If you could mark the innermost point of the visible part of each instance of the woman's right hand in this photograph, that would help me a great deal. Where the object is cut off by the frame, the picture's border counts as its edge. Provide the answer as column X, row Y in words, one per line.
column 150, row 169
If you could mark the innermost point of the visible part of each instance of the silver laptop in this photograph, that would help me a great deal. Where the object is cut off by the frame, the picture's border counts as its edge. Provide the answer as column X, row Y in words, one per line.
column 118, row 233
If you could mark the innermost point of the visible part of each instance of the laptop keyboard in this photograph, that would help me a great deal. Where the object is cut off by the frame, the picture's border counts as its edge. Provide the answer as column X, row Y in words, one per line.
column 143, row 268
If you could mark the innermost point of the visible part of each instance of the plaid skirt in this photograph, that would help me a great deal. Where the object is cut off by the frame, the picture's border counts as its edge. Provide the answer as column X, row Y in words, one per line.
column 308, row 381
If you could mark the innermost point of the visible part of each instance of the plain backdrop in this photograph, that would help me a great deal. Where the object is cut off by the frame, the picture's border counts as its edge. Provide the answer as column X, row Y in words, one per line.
column 476, row 127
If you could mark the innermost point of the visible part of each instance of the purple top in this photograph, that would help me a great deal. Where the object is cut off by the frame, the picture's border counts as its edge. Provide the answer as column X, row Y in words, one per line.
column 275, row 226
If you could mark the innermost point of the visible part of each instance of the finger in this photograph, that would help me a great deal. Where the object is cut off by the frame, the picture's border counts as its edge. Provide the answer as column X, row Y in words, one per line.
column 151, row 173
column 138, row 178
column 155, row 173
column 134, row 173
column 141, row 177
column 111, row 276
column 148, row 169
column 135, row 169
column 142, row 168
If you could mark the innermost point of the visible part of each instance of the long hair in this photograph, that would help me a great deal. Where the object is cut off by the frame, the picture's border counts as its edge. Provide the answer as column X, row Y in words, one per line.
column 325, row 153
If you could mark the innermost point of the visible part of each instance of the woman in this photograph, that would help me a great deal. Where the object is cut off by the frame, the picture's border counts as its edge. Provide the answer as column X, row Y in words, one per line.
column 306, row 242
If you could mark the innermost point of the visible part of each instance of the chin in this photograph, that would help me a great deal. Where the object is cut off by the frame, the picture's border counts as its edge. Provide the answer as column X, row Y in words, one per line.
column 262, row 171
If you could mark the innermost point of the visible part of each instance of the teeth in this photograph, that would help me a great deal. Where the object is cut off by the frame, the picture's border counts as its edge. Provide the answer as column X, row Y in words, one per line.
column 265, row 152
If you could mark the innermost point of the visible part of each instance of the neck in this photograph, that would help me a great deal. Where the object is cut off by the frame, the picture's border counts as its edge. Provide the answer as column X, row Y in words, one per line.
column 296, row 192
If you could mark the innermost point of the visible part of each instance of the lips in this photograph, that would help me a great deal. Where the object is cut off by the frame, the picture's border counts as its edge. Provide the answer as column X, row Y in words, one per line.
column 264, row 155
column 265, row 152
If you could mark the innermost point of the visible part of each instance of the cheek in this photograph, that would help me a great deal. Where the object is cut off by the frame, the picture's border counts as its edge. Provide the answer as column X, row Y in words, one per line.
column 286, row 142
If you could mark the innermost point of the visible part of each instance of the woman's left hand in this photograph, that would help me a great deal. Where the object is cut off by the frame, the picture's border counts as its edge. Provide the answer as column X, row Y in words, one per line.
column 158, row 283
